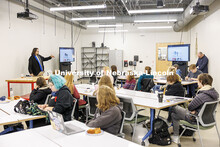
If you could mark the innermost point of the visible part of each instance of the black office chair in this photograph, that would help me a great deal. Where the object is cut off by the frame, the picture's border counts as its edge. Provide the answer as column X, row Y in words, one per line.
column 205, row 120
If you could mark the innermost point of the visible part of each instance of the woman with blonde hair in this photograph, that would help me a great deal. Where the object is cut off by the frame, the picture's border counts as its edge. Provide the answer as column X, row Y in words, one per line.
column 69, row 83
column 105, row 80
column 107, row 71
column 108, row 115
column 130, row 81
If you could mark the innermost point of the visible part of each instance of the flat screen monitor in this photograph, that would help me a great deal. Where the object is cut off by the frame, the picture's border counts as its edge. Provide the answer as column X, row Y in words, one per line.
column 178, row 52
column 66, row 54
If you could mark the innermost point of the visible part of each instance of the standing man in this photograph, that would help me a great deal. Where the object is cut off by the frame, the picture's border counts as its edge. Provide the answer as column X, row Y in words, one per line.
column 36, row 65
column 202, row 62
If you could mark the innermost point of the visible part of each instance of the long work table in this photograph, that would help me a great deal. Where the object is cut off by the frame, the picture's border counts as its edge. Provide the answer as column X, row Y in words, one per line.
column 46, row 136
column 143, row 99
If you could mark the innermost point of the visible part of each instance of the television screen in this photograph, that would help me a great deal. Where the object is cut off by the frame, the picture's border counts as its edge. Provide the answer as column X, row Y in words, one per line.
column 66, row 54
column 178, row 52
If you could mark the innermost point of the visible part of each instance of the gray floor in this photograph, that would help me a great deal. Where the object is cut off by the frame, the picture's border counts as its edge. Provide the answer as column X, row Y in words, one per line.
column 210, row 138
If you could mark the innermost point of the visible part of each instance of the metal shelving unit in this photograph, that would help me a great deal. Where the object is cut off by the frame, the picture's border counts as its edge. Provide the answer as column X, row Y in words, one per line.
column 94, row 58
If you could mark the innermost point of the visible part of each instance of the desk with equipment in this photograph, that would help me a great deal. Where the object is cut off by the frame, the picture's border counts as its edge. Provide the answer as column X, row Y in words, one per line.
column 143, row 99
column 25, row 80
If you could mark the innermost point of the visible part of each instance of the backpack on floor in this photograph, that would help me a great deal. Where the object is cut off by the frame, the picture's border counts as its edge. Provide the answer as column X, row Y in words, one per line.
column 160, row 134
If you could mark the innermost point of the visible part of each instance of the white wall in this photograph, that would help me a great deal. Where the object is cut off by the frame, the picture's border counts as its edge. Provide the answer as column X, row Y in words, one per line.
column 207, row 29
column 141, row 43
column 18, row 41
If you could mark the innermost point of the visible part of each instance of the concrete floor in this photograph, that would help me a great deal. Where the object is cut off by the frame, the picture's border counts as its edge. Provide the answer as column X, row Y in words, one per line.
column 209, row 137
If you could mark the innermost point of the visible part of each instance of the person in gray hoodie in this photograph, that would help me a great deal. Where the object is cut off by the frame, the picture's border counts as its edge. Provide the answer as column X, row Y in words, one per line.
column 108, row 114
column 206, row 93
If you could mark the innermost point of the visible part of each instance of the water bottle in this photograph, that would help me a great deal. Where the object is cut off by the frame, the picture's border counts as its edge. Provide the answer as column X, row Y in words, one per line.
column 11, row 94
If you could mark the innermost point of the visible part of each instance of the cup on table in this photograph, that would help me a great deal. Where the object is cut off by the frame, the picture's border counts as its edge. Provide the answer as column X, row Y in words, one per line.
column 88, row 90
column 22, row 75
column 160, row 97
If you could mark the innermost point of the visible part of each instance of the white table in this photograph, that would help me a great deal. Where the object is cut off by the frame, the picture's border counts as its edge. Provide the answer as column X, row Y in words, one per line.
column 143, row 99
column 185, row 83
column 9, row 116
column 24, row 139
column 48, row 136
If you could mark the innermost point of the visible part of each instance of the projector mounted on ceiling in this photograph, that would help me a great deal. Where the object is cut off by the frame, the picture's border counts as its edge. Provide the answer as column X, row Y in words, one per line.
column 27, row 15
column 199, row 9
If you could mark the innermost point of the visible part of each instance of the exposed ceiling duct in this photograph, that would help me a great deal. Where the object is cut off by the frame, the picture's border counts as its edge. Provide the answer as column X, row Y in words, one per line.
column 186, row 17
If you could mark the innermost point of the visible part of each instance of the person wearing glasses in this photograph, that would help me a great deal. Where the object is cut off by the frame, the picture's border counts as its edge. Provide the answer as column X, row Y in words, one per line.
column 62, row 99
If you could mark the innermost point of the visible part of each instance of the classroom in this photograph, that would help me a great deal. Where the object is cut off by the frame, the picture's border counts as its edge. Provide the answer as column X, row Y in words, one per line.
column 114, row 73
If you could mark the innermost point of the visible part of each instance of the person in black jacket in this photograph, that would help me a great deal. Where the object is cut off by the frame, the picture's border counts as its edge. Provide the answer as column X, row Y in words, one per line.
column 36, row 64
column 206, row 93
column 39, row 94
column 62, row 97
column 174, row 87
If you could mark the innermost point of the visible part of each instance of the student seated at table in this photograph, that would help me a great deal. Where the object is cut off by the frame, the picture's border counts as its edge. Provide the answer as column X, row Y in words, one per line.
column 62, row 101
column 206, row 93
column 69, row 83
column 172, row 70
column 108, row 114
column 40, row 92
column 107, row 71
column 192, row 75
column 114, row 73
column 130, row 81
column 147, row 74
column 178, row 71
column 105, row 80
column 174, row 87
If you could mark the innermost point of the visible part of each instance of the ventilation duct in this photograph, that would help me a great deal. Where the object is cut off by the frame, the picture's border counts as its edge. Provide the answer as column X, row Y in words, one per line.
column 186, row 17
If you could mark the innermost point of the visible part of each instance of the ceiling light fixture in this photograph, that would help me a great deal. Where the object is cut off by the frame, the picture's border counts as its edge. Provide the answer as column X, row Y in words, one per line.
column 156, row 10
column 113, row 31
column 156, row 27
column 92, row 18
column 78, row 8
column 104, row 26
column 152, row 21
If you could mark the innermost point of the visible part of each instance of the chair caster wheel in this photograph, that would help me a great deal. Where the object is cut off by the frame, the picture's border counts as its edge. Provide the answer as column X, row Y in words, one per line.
column 143, row 143
column 194, row 139
column 179, row 145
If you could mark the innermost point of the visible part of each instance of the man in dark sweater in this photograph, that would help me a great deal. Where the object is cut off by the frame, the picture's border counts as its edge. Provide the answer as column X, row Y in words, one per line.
column 205, row 94
column 202, row 62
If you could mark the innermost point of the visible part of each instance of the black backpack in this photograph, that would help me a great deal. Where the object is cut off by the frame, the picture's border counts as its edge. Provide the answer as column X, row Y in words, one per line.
column 160, row 134
column 22, row 106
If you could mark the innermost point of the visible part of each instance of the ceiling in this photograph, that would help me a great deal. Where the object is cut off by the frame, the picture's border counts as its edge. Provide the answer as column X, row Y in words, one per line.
column 117, row 8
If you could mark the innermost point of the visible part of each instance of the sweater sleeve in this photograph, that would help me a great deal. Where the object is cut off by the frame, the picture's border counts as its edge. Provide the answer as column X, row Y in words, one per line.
column 132, row 85
column 45, row 58
column 203, row 64
column 76, row 93
column 30, row 66
column 196, row 102
column 127, row 85
column 104, row 119
column 139, row 83
column 36, row 96
column 62, row 103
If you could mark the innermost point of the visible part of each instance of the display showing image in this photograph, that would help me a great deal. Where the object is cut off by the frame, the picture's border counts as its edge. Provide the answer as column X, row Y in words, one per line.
column 179, row 52
column 67, row 54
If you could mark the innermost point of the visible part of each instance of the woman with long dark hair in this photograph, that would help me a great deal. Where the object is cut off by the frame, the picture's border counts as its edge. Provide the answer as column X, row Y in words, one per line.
column 36, row 65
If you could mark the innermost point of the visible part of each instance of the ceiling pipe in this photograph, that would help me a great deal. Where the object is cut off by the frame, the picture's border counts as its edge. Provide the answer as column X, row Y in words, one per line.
column 186, row 17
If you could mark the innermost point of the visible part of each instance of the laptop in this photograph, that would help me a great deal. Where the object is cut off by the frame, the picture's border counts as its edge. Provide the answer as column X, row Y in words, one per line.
column 57, row 123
